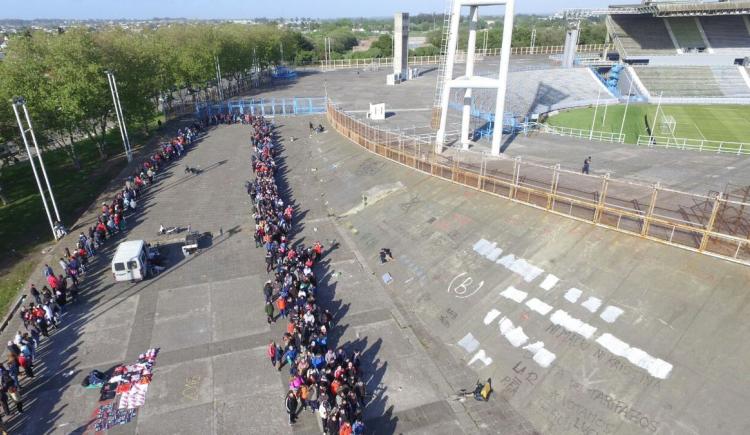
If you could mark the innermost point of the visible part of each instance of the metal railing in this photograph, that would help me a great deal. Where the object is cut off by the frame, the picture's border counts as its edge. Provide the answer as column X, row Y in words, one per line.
column 380, row 62
column 699, row 100
column 700, row 145
column 268, row 107
column 601, row 136
column 710, row 224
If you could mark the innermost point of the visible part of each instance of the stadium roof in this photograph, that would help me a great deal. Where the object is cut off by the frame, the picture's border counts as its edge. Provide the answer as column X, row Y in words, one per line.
column 686, row 8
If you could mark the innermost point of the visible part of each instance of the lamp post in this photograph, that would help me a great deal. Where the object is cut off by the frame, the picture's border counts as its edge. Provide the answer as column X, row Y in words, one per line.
column 20, row 103
column 218, row 78
column 118, row 113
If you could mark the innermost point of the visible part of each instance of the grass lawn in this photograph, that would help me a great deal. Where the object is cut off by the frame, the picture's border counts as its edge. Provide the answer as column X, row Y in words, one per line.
column 12, row 280
column 23, row 222
column 716, row 122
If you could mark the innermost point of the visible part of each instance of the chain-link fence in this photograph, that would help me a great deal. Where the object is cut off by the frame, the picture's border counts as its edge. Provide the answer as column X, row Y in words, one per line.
column 716, row 224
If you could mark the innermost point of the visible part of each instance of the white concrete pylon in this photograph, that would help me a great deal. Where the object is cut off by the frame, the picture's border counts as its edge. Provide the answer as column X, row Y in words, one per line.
column 469, row 81
column 466, row 118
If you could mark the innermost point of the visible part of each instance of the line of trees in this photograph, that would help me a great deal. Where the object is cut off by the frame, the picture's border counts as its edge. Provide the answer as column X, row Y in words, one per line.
column 62, row 76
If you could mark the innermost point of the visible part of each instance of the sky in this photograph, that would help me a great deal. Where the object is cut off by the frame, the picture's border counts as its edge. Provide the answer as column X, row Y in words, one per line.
column 224, row 9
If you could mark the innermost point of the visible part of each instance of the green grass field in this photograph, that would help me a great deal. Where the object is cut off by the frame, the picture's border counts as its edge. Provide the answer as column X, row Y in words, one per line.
column 718, row 123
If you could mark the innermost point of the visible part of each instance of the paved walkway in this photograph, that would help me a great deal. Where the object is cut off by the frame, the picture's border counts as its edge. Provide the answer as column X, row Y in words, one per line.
column 212, row 375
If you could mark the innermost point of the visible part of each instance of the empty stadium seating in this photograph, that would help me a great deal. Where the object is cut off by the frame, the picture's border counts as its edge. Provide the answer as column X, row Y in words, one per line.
column 687, row 34
column 545, row 90
column 727, row 34
column 540, row 91
column 731, row 81
column 642, row 35
column 693, row 81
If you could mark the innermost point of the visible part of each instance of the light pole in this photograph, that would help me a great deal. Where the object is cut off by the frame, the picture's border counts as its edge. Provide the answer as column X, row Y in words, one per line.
column 118, row 113
column 627, row 103
column 20, row 102
column 593, row 121
column 218, row 78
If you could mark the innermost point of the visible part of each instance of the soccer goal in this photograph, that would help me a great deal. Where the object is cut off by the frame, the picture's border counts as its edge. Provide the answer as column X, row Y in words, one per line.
column 667, row 125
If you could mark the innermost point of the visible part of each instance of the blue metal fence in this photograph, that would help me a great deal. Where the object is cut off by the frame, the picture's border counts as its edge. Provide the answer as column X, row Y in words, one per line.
column 265, row 106
column 512, row 123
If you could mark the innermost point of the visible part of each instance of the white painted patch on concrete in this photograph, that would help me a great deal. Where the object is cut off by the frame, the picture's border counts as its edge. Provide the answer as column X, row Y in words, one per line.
column 528, row 271
column 541, row 356
column 660, row 369
column 592, row 304
column 482, row 247
column 572, row 295
column 534, row 347
column 481, row 355
column 516, row 337
column 491, row 316
column 544, row 358
column 572, row 324
column 539, row 306
column 469, row 343
column 514, row 294
column 505, row 325
column 507, row 261
column 613, row 344
column 549, row 282
column 494, row 254
column 488, row 248
column 611, row 313
column 656, row 367
column 376, row 194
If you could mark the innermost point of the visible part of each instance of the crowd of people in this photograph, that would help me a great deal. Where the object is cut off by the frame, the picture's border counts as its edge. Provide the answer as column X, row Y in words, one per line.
column 322, row 379
column 43, row 311
column 228, row 118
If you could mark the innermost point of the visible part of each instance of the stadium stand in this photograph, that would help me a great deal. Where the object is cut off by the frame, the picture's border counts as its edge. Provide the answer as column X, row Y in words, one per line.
column 684, row 81
column 731, row 81
column 641, row 35
column 687, row 34
column 694, row 81
column 544, row 90
column 726, row 34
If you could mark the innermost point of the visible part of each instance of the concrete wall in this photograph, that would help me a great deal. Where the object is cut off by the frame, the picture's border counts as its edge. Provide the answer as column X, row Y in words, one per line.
column 401, row 43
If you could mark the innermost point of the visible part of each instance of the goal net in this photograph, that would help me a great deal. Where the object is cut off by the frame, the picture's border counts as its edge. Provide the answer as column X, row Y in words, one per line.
column 667, row 125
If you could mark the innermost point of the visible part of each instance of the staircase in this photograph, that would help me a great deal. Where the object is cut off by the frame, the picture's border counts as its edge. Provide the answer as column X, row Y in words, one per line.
column 441, row 66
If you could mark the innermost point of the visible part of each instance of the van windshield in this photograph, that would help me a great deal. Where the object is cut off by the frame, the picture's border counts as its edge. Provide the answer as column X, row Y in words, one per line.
column 119, row 267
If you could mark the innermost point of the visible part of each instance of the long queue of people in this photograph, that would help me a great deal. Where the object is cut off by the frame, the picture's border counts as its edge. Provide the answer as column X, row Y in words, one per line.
column 43, row 313
column 322, row 379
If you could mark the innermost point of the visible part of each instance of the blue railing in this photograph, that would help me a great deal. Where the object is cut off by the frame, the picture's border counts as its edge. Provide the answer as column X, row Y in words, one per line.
column 265, row 106
column 512, row 123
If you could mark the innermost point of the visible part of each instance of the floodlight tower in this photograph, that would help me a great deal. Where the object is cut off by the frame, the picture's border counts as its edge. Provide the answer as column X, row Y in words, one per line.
column 468, row 81
column 19, row 105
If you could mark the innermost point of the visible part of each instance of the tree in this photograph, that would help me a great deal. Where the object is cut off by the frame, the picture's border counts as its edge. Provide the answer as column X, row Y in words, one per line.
column 80, row 86
column 27, row 71
column 385, row 44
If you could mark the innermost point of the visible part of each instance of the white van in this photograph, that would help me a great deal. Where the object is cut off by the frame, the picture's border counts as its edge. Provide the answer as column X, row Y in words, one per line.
column 130, row 262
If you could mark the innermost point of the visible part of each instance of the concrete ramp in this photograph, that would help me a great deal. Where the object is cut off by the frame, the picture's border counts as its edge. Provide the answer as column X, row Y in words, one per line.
column 582, row 330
